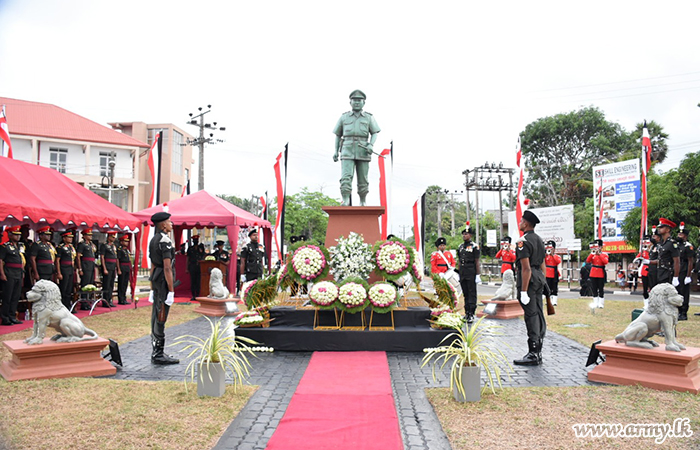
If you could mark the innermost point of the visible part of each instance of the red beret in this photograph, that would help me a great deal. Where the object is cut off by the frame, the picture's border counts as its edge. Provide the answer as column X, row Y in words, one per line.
column 124, row 237
column 111, row 233
column 43, row 230
column 666, row 222
column 14, row 230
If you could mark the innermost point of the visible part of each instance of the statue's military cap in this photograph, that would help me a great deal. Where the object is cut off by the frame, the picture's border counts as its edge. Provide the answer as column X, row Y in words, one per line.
column 160, row 216
column 358, row 94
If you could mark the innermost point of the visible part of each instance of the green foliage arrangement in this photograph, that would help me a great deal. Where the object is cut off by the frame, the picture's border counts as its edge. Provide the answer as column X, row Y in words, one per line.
column 444, row 291
column 260, row 293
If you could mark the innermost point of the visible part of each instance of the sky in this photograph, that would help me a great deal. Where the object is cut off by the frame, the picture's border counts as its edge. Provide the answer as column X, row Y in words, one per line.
column 451, row 83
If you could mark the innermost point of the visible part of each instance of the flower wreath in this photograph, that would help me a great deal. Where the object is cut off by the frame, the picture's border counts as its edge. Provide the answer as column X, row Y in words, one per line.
column 352, row 295
column 324, row 295
column 445, row 292
column 383, row 297
column 308, row 262
column 261, row 292
column 416, row 267
column 249, row 318
column 246, row 289
column 392, row 259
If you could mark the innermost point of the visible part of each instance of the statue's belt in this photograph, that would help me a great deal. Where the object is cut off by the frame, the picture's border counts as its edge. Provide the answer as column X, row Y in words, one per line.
column 355, row 138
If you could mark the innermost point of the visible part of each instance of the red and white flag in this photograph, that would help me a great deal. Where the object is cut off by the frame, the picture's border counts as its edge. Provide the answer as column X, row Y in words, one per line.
column 6, row 149
column 280, row 163
column 264, row 207
column 386, row 172
column 419, row 224
column 646, row 165
column 153, row 167
column 520, row 199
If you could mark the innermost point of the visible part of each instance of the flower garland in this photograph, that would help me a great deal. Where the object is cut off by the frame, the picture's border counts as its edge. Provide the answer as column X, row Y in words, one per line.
column 308, row 262
column 446, row 293
column 249, row 318
column 393, row 259
column 352, row 295
column 442, row 309
column 324, row 294
column 351, row 257
column 449, row 320
column 383, row 297
column 416, row 267
column 245, row 290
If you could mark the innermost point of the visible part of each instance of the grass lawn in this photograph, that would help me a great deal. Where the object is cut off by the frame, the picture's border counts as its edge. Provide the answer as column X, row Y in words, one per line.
column 524, row 418
column 101, row 413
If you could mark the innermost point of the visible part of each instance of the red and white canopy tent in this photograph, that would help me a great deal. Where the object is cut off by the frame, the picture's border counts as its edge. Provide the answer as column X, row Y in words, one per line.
column 204, row 210
column 40, row 196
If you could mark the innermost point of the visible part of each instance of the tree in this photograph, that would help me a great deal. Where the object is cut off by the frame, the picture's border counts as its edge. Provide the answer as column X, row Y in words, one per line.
column 304, row 215
column 248, row 204
column 659, row 147
column 561, row 151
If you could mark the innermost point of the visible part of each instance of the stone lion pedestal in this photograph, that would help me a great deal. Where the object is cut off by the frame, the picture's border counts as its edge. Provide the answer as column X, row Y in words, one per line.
column 654, row 368
column 215, row 307
column 56, row 360
column 505, row 309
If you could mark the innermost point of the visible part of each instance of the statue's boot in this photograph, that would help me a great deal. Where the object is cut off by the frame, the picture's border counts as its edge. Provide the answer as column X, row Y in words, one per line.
column 159, row 358
column 531, row 359
column 346, row 199
column 363, row 200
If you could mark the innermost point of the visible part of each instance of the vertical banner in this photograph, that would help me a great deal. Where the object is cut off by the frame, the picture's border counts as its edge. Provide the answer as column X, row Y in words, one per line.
column 617, row 191
column 419, row 225
column 281, row 189
column 153, row 166
column 646, row 165
column 385, row 176
column 520, row 199
column 5, row 142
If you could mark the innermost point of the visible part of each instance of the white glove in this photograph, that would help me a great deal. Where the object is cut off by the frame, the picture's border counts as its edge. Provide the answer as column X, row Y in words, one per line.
column 242, row 278
column 645, row 261
column 170, row 299
column 150, row 297
column 524, row 298
column 478, row 279
column 675, row 282
column 442, row 274
column 687, row 280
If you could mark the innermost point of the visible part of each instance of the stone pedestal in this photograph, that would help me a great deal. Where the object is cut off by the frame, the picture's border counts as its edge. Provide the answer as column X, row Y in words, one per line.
column 214, row 306
column 505, row 309
column 362, row 220
column 653, row 368
column 56, row 360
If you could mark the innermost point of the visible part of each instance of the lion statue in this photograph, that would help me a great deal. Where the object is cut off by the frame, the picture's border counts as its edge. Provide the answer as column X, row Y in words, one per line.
column 216, row 285
column 661, row 315
column 48, row 311
column 507, row 291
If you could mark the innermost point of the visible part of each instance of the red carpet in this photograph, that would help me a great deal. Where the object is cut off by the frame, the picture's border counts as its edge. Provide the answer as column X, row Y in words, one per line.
column 343, row 401
column 99, row 309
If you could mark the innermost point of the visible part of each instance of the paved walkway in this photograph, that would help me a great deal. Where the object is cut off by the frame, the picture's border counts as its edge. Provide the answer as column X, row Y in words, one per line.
column 278, row 375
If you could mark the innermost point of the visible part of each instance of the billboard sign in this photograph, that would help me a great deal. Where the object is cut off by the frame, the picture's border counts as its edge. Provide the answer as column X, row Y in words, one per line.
column 617, row 190
column 556, row 224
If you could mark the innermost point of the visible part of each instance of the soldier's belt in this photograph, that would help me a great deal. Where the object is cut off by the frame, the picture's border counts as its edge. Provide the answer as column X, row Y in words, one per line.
column 507, row 262
column 66, row 263
column 44, row 261
column 110, row 260
column 597, row 267
column 87, row 259
column 14, row 265
column 125, row 264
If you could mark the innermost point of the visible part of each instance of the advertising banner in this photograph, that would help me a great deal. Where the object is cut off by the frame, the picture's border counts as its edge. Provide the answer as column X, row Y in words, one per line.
column 617, row 191
column 556, row 224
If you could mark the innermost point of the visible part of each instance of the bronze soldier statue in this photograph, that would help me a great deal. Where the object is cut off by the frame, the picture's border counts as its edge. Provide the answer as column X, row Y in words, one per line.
column 352, row 132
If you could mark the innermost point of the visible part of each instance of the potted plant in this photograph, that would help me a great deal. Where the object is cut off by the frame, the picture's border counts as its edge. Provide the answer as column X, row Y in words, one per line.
column 467, row 353
column 220, row 354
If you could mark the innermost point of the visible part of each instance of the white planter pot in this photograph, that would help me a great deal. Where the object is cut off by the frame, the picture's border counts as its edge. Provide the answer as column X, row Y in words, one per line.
column 212, row 380
column 471, row 381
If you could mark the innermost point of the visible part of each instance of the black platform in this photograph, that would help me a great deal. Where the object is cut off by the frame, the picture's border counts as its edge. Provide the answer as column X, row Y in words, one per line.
column 292, row 330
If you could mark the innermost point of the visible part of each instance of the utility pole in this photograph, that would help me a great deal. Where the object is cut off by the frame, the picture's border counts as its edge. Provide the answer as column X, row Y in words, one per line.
column 439, row 219
column 452, row 211
column 201, row 140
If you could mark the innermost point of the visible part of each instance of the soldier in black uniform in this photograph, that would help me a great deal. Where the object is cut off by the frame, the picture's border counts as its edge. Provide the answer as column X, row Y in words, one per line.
column 162, row 278
column 669, row 254
column 687, row 261
column 469, row 271
column 529, row 261
column 43, row 256
column 124, row 257
column 194, row 255
column 12, row 264
column 65, row 267
column 252, row 259
column 25, row 246
column 220, row 254
column 110, row 268
column 654, row 258
column 86, row 259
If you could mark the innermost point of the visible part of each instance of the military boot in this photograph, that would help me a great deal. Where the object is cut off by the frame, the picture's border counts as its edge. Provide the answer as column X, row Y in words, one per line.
column 538, row 351
column 531, row 358
column 158, row 357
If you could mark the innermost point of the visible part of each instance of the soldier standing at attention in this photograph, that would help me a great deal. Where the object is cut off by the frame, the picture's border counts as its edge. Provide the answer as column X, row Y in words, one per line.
column 65, row 267
column 162, row 255
column 351, row 134
column 669, row 254
column 551, row 262
column 530, row 282
column 12, row 264
column 506, row 255
column 598, row 260
column 124, row 257
column 654, row 258
column 86, row 259
column 252, row 259
column 43, row 255
column 195, row 253
column 469, row 271
column 110, row 268
column 220, row 254
column 25, row 246
column 441, row 261
column 687, row 261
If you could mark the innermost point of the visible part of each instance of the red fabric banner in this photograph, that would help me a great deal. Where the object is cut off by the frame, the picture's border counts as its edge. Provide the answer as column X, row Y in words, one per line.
column 383, row 192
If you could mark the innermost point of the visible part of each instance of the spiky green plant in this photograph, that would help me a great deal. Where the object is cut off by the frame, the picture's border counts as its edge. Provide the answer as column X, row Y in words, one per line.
column 470, row 348
column 223, row 347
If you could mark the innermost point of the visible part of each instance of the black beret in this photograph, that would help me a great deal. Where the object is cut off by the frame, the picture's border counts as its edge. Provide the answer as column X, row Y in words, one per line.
column 302, row 237
column 440, row 241
column 250, row 233
column 469, row 230
column 160, row 216
column 506, row 239
column 552, row 243
column 293, row 239
column 531, row 217
column 219, row 242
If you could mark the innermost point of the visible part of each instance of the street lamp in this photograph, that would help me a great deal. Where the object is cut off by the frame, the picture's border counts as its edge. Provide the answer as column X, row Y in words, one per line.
column 201, row 140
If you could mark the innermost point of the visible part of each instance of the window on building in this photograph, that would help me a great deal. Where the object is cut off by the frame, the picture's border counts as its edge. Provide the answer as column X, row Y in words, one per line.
column 104, row 163
column 58, row 158
column 177, row 145
column 175, row 187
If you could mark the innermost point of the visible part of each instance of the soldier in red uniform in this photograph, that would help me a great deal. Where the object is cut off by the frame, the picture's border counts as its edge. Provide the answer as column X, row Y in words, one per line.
column 506, row 255
column 441, row 261
column 598, row 260
column 642, row 260
column 551, row 262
